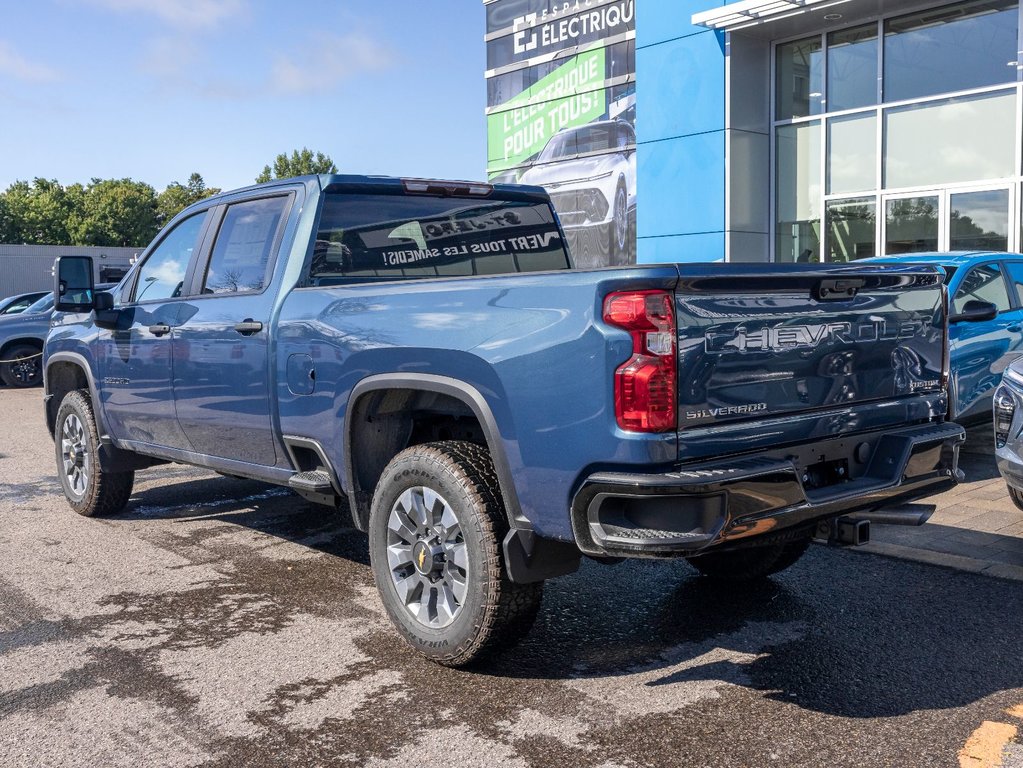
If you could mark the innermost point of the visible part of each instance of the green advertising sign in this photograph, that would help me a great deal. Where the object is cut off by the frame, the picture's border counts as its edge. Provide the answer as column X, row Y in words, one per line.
column 569, row 96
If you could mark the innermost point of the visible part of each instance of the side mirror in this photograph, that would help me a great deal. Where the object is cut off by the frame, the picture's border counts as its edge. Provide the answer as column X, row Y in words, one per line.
column 975, row 311
column 73, row 289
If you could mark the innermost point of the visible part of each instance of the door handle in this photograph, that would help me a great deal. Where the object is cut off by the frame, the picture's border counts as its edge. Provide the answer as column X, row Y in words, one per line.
column 248, row 327
column 1014, row 327
column 160, row 329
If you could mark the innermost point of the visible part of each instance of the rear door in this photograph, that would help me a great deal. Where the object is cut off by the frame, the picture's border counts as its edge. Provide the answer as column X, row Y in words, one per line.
column 221, row 371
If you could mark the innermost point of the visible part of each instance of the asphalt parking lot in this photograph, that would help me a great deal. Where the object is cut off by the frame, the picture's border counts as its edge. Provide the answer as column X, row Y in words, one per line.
column 220, row 622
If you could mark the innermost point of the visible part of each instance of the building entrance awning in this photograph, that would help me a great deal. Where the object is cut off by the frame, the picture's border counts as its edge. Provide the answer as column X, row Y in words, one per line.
column 748, row 13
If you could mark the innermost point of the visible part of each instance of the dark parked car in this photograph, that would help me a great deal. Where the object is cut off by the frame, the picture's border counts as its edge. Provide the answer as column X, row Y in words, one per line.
column 1008, row 415
column 14, row 305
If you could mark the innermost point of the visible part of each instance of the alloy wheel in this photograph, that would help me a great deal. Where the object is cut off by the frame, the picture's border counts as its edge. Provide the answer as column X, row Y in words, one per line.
column 74, row 448
column 426, row 556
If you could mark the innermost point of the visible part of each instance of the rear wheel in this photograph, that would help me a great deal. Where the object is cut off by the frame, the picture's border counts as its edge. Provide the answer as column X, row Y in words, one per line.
column 436, row 527
column 22, row 366
column 752, row 563
column 89, row 489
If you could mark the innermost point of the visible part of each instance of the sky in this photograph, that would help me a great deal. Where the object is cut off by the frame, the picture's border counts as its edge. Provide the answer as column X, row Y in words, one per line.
column 157, row 89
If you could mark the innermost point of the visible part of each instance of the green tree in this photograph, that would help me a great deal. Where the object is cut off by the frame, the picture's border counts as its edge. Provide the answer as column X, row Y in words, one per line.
column 176, row 197
column 6, row 222
column 114, row 212
column 38, row 213
column 299, row 163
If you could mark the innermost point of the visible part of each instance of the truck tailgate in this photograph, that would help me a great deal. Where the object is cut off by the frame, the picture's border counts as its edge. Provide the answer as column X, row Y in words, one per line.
column 776, row 343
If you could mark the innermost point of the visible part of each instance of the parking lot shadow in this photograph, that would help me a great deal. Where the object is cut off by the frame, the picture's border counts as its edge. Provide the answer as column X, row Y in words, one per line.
column 848, row 635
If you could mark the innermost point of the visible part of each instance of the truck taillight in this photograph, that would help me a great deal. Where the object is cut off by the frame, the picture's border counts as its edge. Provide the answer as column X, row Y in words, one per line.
column 645, row 385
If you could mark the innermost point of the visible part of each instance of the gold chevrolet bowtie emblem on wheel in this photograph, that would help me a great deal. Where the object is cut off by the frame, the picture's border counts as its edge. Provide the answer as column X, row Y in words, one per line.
column 422, row 557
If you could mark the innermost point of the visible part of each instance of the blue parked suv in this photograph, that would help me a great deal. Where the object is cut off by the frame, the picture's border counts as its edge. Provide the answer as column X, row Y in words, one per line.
column 21, row 342
column 980, row 351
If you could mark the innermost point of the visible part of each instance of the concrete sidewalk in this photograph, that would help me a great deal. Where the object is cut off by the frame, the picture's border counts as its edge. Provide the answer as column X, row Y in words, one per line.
column 976, row 526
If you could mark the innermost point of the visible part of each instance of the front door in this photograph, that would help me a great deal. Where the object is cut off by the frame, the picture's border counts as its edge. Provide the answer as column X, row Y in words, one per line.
column 135, row 360
column 981, row 351
column 221, row 361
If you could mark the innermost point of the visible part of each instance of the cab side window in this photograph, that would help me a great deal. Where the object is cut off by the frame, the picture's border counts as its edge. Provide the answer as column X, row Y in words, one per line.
column 163, row 273
column 983, row 283
column 1016, row 279
column 243, row 246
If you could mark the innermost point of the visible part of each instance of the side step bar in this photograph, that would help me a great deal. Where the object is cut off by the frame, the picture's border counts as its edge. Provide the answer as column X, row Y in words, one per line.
column 314, row 486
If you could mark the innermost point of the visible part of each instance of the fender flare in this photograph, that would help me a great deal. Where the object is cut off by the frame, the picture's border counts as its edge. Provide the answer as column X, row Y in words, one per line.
column 460, row 390
column 80, row 361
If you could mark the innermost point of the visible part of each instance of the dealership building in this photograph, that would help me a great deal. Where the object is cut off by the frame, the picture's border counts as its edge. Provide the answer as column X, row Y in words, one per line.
column 762, row 130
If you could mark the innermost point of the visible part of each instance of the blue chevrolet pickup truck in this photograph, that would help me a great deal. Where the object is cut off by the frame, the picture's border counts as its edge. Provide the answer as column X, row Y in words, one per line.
column 422, row 355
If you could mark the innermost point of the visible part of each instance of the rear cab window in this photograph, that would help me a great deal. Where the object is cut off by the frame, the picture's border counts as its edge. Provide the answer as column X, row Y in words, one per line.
column 372, row 237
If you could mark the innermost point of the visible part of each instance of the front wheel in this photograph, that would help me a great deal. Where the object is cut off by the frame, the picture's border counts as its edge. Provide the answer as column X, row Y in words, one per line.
column 436, row 527
column 22, row 366
column 752, row 563
column 89, row 489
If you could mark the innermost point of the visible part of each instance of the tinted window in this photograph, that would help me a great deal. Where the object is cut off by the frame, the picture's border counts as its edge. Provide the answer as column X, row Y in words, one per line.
column 243, row 246
column 20, row 305
column 800, row 88
column 44, row 304
column 163, row 273
column 982, row 34
column 1016, row 279
column 389, row 237
column 982, row 283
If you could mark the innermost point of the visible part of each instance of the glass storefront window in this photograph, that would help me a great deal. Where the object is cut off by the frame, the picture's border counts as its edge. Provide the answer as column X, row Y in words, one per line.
column 852, row 153
column 979, row 221
column 965, row 139
column 798, row 191
column 911, row 224
column 850, row 226
column 953, row 48
column 800, row 85
column 852, row 68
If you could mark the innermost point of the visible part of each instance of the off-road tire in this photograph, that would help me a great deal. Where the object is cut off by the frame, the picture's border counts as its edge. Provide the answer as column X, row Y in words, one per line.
column 24, row 369
column 496, row 612
column 102, row 492
column 752, row 563
column 1016, row 496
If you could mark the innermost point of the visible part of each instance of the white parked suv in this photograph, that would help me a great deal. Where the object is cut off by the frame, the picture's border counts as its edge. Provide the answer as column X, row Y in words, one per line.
column 590, row 173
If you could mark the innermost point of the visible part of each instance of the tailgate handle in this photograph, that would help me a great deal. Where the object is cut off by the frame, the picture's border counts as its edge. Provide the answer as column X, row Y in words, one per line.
column 838, row 288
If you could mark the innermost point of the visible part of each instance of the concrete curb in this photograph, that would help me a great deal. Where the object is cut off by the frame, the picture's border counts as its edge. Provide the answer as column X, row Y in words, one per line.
column 955, row 562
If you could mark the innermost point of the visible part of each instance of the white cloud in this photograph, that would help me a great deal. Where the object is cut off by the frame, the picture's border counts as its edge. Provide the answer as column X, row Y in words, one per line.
column 328, row 60
column 17, row 66
column 188, row 14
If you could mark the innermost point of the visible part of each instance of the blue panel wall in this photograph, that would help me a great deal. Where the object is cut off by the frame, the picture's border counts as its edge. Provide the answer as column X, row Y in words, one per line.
column 680, row 127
